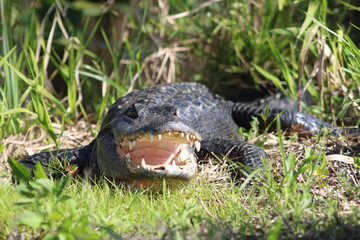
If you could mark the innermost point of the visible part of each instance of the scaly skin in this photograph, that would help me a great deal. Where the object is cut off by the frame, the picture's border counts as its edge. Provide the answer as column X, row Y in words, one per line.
column 170, row 121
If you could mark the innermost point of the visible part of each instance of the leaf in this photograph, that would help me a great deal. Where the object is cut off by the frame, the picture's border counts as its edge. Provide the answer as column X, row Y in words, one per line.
column 23, row 202
column 42, row 187
column 274, row 233
column 357, row 162
column 270, row 76
column 17, row 110
column 290, row 31
column 312, row 8
column 88, row 8
column 56, row 215
column 51, row 236
column 308, row 153
column 282, row 4
column 349, row 5
column 44, row 184
column 290, row 162
column 30, row 219
column 25, row 190
column 19, row 171
column 3, row 59
column 64, row 198
column 341, row 158
column 305, row 49
column 67, row 222
column 285, row 70
column 39, row 171
column 42, row 113
column 248, row 178
column 21, row 75
column 60, row 186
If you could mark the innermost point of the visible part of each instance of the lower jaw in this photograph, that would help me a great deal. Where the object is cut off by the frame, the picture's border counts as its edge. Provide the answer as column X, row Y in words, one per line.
column 169, row 173
column 151, row 179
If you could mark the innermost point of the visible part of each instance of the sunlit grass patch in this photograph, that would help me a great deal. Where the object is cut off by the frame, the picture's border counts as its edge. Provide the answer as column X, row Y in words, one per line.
column 307, row 197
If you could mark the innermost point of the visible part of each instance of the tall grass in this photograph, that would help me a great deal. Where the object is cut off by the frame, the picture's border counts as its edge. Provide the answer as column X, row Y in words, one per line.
column 11, row 92
column 289, row 45
column 48, row 53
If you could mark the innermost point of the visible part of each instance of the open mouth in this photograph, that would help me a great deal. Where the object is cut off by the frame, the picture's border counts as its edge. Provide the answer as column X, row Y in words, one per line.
column 167, row 151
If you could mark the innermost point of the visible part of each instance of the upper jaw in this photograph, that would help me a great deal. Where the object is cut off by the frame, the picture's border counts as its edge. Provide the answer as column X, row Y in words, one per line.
column 190, row 136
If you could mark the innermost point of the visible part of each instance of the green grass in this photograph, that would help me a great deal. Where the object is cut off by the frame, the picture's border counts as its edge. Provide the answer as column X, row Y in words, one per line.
column 272, row 205
column 57, row 68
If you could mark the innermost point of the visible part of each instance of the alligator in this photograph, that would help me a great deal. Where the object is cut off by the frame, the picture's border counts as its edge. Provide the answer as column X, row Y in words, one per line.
column 160, row 132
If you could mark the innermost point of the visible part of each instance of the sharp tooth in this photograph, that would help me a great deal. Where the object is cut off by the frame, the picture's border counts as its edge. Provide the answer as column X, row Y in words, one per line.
column 152, row 138
column 170, row 159
column 159, row 136
column 143, row 164
column 130, row 145
column 128, row 156
column 187, row 137
column 134, row 143
column 192, row 158
column 197, row 146
column 191, row 144
column 173, row 163
column 128, row 160
column 183, row 155
column 182, row 134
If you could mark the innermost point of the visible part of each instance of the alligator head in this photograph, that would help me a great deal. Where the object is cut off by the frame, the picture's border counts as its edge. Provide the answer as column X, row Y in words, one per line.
column 145, row 139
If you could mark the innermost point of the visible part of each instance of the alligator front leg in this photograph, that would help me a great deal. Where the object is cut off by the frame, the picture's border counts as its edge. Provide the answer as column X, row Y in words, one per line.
column 237, row 151
column 65, row 157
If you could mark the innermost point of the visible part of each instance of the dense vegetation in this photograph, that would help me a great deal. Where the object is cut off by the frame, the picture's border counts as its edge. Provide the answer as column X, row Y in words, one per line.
column 63, row 63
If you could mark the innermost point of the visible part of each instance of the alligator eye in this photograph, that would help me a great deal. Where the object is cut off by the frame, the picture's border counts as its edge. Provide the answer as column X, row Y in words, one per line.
column 131, row 113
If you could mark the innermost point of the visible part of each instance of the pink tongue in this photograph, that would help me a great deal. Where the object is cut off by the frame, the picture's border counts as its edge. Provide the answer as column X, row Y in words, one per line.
column 154, row 153
column 152, row 156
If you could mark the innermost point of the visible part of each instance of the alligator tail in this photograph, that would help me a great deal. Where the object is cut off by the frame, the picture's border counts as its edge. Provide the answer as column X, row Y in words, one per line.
column 243, row 113
column 314, row 125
